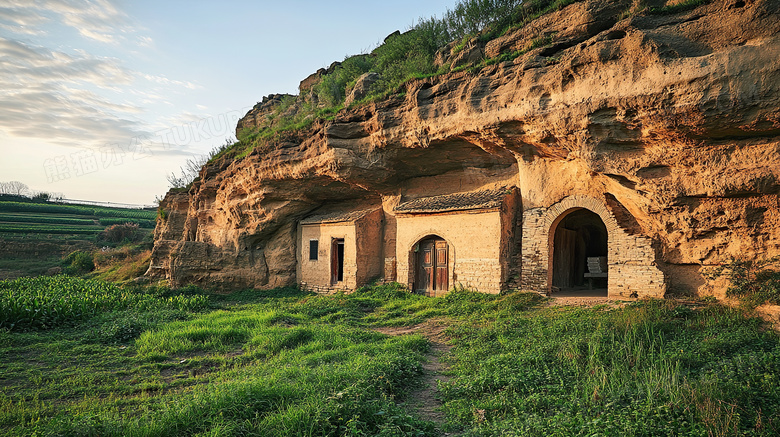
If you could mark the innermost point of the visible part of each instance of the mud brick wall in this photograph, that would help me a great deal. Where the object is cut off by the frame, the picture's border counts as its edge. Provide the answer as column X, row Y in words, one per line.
column 473, row 238
column 480, row 274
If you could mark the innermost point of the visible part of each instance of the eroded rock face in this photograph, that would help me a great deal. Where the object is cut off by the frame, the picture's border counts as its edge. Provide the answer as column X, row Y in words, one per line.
column 676, row 117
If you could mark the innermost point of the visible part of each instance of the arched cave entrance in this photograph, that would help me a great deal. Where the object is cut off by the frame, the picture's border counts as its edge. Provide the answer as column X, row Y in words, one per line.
column 579, row 251
column 431, row 266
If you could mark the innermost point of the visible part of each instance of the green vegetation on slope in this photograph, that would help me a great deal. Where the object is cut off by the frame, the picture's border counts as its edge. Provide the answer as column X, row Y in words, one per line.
column 36, row 236
column 406, row 56
column 411, row 54
column 285, row 362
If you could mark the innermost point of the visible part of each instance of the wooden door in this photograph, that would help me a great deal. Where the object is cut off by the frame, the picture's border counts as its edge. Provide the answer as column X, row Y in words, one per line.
column 431, row 267
column 337, row 260
column 564, row 257
column 442, row 271
column 424, row 269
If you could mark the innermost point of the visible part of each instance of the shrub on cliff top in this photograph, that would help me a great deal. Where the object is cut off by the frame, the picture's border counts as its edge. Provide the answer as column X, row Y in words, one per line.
column 411, row 54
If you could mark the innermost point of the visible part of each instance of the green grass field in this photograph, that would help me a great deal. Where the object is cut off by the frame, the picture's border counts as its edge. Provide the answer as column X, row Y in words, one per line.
column 286, row 362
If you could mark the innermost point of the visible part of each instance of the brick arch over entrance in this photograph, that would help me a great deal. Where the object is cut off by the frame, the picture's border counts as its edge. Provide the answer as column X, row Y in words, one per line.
column 575, row 235
column 630, row 255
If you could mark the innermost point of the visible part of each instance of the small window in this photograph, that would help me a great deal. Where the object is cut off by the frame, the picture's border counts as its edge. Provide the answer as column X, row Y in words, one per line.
column 314, row 247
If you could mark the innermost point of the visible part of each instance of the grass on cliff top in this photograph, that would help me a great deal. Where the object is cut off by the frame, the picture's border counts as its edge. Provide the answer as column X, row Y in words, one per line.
column 286, row 362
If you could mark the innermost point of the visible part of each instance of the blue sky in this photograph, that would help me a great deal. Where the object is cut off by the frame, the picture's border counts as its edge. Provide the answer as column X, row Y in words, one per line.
column 101, row 99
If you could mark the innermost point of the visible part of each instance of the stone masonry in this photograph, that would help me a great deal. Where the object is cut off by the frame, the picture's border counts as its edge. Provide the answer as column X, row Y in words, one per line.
column 631, row 258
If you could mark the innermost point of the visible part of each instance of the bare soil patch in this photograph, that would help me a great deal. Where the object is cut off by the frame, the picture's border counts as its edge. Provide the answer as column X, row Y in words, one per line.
column 587, row 298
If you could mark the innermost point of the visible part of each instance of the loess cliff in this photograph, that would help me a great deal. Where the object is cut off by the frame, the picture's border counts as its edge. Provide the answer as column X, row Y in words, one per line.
column 673, row 117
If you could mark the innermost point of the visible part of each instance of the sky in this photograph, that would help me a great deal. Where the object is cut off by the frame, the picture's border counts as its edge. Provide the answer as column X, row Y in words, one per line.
column 102, row 99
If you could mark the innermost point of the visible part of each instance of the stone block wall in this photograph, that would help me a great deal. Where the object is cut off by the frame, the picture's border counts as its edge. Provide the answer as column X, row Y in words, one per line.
column 533, row 254
column 390, row 269
column 631, row 258
column 323, row 289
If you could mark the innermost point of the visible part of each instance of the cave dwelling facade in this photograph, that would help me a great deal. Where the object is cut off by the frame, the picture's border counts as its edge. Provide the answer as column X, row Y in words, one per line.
column 482, row 241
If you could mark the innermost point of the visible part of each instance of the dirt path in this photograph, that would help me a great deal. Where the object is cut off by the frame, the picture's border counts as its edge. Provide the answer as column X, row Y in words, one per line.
column 423, row 399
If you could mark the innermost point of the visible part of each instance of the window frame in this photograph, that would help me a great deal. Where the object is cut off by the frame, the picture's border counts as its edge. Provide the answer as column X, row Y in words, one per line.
column 314, row 255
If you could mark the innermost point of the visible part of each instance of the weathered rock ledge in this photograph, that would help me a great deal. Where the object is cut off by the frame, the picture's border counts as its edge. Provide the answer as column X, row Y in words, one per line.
column 672, row 121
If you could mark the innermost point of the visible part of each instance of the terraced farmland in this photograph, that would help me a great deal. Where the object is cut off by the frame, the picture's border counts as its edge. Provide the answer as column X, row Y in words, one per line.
column 35, row 236
column 61, row 219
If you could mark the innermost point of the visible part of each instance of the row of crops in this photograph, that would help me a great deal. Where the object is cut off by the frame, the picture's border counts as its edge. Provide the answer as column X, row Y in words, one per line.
column 24, row 218
column 42, row 219
column 72, row 220
column 48, row 229
column 48, row 302
column 58, row 208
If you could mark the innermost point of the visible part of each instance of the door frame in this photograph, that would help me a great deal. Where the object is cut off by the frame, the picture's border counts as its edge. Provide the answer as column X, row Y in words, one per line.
column 336, row 260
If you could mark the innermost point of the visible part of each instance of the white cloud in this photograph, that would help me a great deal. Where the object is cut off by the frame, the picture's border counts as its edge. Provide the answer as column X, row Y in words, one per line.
column 98, row 20
column 182, row 119
column 21, row 20
column 44, row 94
column 162, row 80
column 68, row 96
column 23, row 64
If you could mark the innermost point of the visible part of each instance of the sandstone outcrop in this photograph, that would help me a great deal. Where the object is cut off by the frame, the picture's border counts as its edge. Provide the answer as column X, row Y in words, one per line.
column 362, row 88
column 672, row 120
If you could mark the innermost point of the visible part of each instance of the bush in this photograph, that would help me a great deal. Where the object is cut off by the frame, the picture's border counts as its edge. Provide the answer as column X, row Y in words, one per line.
column 121, row 232
column 149, row 224
column 472, row 16
column 753, row 282
column 78, row 263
